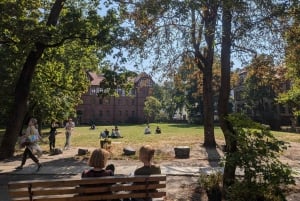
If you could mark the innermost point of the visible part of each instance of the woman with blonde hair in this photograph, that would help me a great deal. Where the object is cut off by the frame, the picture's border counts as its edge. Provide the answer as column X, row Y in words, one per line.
column 98, row 162
column 31, row 137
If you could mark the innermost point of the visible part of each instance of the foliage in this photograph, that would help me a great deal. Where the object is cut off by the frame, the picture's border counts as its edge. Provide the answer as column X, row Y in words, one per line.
column 212, row 185
column 292, row 37
column 115, row 82
column 170, row 98
column 152, row 108
column 262, row 85
column 257, row 155
column 59, row 82
column 76, row 44
column 37, row 30
column 172, row 31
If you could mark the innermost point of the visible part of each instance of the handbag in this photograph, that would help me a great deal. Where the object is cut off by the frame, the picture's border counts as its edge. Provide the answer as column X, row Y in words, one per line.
column 23, row 141
column 32, row 138
column 27, row 140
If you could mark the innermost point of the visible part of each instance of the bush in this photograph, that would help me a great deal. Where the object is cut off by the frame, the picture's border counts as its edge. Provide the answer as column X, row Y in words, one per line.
column 212, row 185
column 258, row 151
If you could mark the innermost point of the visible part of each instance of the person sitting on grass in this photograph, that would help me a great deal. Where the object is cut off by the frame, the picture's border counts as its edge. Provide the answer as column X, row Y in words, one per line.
column 147, row 130
column 158, row 130
column 115, row 133
column 104, row 134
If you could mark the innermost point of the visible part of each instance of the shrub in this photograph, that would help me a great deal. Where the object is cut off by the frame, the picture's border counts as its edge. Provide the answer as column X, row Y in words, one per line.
column 258, row 151
column 212, row 185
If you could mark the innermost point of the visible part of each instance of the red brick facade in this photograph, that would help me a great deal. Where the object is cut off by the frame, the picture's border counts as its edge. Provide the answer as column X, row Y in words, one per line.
column 115, row 110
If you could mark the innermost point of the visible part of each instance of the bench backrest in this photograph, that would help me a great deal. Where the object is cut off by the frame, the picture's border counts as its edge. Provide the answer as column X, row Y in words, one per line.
column 96, row 188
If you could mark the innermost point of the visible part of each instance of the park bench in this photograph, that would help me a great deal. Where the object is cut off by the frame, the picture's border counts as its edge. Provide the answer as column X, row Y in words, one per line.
column 95, row 188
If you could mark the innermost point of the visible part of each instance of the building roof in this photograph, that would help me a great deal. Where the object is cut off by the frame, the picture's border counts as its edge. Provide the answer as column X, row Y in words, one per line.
column 95, row 78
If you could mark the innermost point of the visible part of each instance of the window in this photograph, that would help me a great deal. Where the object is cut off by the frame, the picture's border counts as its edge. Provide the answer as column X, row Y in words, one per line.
column 120, row 113
column 282, row 109
column 100, row 113
column 107, row 113
column 126, row 113
column 107, row 101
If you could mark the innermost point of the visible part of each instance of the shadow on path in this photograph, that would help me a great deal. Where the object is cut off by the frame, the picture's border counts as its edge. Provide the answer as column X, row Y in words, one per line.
column 213, row 156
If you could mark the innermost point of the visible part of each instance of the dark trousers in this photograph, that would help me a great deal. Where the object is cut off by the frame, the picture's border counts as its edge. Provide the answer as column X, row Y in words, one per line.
column 26, row 153
column 52, row 141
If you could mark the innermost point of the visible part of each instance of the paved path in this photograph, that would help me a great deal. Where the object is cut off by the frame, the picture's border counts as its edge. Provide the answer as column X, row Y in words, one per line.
column 66, row 166
column 8, row 173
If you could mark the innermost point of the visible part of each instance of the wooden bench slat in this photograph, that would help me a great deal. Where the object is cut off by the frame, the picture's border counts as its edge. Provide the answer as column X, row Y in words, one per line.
column 94, row 180
column 86, row 188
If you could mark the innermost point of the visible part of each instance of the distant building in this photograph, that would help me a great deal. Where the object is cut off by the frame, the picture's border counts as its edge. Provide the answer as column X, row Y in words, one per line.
column 275, row 114
column 114, row 110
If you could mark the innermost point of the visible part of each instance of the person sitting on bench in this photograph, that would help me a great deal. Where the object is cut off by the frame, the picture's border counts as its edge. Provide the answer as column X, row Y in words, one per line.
column 146, row 154
column 98, row 162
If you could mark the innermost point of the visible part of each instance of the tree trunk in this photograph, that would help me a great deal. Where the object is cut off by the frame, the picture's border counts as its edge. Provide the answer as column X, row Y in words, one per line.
column 210, row 18
column 231, row 143
column 208, row 109
column 22, row 90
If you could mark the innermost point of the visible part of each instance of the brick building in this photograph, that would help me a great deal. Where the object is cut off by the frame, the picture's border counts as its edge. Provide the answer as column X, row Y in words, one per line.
column 115, row 110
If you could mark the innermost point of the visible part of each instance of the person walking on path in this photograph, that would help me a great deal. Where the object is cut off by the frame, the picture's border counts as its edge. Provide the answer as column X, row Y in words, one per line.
column 52, row 135
column 69, row 129
column 30, row 142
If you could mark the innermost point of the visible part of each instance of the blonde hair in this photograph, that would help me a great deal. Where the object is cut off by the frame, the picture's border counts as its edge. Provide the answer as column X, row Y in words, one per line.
column 98, row 159
column 34, row 122
column 146, row 153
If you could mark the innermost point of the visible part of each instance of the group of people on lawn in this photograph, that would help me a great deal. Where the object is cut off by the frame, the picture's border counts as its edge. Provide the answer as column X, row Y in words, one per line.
column 148, row 130
column 115, row 133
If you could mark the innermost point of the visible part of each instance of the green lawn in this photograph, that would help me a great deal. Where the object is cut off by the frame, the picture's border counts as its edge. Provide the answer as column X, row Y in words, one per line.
column 172, row 135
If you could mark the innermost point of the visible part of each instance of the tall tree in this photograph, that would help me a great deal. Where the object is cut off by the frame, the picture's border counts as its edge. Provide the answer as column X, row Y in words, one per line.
column 170, row 97
column 247, row 26
column 223, row 110
column 30, row 28
column 23, row 87
column 171, row 30
column 292, row 37
column 152, row 108
column 261, row 87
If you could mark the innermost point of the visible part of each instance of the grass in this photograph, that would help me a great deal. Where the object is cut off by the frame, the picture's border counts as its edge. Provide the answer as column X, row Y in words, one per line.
column 133, row 136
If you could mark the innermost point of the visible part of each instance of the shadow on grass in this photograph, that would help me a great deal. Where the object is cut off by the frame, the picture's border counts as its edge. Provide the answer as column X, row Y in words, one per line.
column 183, row 125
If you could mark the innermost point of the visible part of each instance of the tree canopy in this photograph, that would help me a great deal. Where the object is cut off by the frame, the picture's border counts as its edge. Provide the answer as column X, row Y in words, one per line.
column 292, row 36
column 45, row 49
